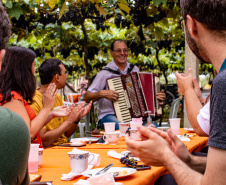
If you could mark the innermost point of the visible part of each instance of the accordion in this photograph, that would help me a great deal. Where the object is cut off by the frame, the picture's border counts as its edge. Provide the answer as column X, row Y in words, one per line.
column 137, row 94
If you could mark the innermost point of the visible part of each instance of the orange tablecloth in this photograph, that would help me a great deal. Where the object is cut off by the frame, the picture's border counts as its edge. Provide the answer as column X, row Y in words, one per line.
column 56, row 162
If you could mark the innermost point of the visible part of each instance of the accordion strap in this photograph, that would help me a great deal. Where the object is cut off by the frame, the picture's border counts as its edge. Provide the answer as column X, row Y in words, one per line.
column 130, row 68
column 111, row 70
column 117, row 72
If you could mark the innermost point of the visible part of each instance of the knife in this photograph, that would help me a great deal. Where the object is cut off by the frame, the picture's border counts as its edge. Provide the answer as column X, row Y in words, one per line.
column 104, row 169
column 41, row 183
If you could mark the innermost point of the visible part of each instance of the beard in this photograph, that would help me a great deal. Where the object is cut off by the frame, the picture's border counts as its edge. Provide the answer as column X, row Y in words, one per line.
column 198, row 51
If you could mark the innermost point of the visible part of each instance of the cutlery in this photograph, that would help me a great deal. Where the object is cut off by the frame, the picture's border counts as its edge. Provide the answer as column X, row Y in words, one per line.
column 41, row 183
column 115, row 174
column 104, row 169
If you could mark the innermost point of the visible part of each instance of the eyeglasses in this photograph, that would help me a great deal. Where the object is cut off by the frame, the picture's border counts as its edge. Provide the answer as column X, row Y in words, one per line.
column 182, row 24
column 119, row 50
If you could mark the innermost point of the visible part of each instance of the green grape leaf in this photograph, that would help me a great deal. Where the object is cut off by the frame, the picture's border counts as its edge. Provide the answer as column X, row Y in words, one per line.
column 158, row 2
column 50, row 25
column 16, row 11
column 27, row 1
column 110, row 2
column 9, row 4
column 33, row 40
column 100, row 9
column 124, row 7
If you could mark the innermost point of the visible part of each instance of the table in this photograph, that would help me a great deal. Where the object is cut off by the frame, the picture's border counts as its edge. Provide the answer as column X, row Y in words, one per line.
column 56, row 162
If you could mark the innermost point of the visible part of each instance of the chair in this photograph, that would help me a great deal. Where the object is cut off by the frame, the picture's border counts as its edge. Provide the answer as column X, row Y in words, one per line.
column 67, row 103
column 81, row 131
column 173, row 111
column 72, row 97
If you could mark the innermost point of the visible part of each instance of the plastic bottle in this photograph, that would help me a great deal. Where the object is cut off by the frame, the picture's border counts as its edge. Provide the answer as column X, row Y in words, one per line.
column 149, row 120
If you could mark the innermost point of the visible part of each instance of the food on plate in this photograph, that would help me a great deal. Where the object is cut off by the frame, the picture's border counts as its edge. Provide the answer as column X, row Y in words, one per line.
column 95, row 132
column 35, row 177
column 101, row 133
column 121, row 173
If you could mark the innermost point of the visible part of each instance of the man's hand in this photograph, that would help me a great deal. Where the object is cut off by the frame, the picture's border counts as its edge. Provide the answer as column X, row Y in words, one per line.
column 177, row 146
column 152, row 146
column 198, row 91
column 184, row 82
column 61, row 111
column 196, row 88
column 151, row 151
column 49, row 96
column 78, row 112
column 161, row 96
column 75, row 113
column 86, row 110
column 110, row 95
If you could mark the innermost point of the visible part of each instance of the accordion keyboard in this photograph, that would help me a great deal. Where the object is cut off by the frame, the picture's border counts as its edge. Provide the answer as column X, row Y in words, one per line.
column 120, row 106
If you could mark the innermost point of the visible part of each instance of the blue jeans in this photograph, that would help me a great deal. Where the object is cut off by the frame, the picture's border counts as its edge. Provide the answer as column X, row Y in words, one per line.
column 109, row 118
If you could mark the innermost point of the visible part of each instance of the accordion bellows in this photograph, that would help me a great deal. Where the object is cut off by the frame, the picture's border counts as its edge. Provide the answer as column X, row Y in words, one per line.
column 137, row 94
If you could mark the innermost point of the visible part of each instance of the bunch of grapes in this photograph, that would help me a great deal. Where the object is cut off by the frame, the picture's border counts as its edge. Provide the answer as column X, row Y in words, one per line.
column 129, row 162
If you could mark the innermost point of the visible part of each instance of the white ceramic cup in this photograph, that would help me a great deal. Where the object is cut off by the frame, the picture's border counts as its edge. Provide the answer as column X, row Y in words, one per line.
column 109, row 127
column 123, row 127
column 163, row 128
column 175, row 125
column 40, row 153
column 96, row 161
column 33, row 158
column 79, row 160
column 112, row 138
column 134, row 126
column 135, row 135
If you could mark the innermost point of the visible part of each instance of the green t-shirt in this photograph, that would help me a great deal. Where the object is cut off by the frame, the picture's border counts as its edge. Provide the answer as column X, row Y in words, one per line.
column 14, row 152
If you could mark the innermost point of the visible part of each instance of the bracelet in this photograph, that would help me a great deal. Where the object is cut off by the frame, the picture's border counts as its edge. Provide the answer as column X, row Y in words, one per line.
column 76, row 122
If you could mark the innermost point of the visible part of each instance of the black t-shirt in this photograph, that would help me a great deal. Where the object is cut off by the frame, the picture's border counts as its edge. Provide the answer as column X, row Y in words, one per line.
column 217, row 137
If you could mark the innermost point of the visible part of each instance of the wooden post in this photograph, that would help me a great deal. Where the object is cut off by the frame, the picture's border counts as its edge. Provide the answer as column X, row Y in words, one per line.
column 191, row 61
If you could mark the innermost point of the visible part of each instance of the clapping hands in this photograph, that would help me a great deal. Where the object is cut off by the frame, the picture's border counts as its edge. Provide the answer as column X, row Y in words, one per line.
column 62, row 111
column 79, row 111
column 155, row 145
column 49, row 96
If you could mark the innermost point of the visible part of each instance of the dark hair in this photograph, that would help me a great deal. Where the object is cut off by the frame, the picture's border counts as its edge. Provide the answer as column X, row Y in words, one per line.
column 48, row 69
column 212, row 13
column 118, row 40
column 16, row 73
column 5, row 28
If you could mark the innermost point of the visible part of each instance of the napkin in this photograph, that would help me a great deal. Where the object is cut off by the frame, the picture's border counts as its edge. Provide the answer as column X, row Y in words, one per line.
column 70, row 176
column 74, row 174
column 114, row 154
column 104, row 179
column 182, row 138
column 78, row 141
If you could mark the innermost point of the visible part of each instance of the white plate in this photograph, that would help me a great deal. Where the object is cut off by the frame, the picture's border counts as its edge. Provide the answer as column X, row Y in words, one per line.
column 129, row 171
column 85, row 139
column 184, row 136
column 189, row 129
